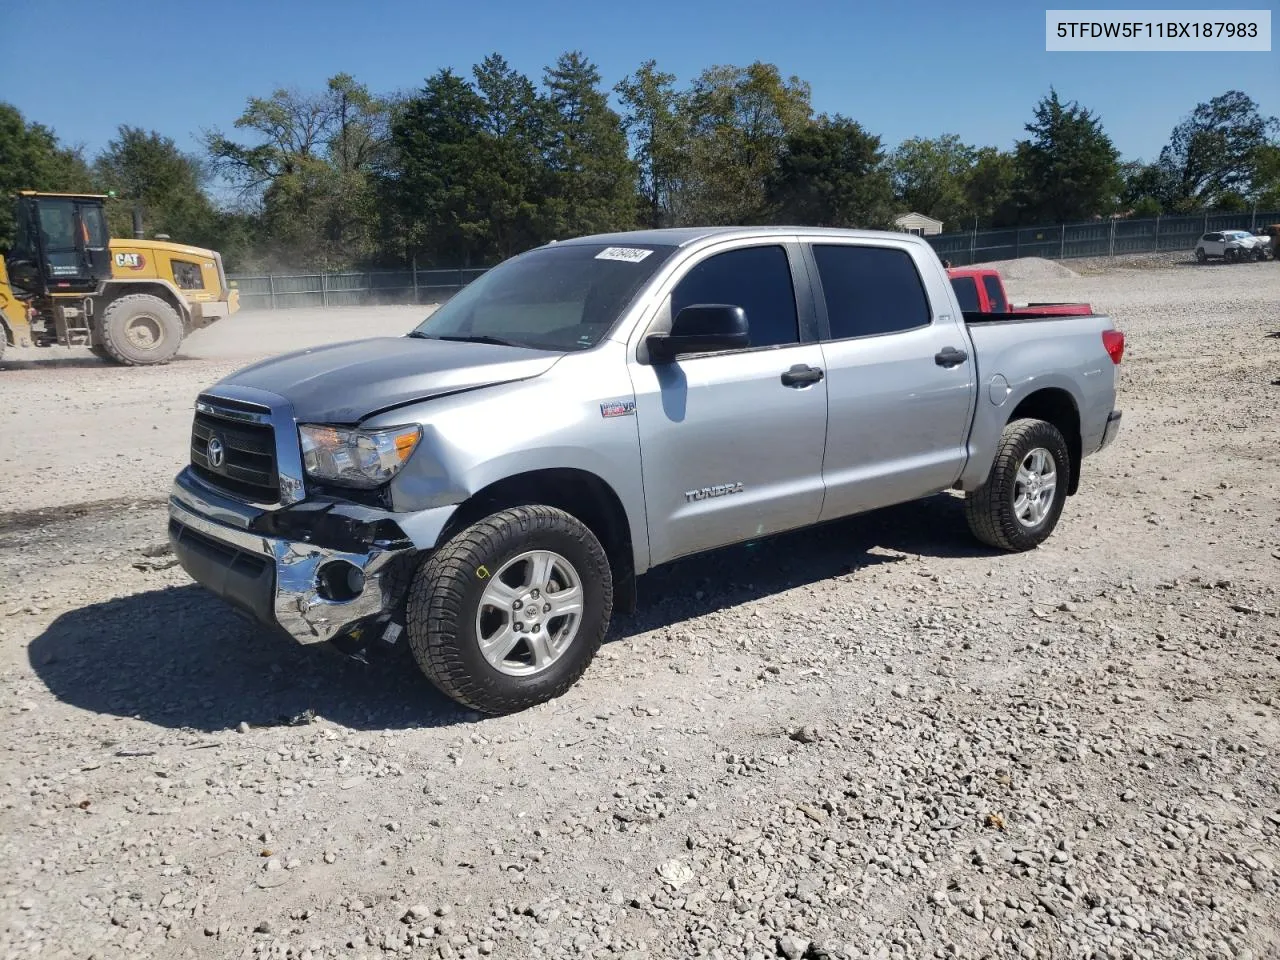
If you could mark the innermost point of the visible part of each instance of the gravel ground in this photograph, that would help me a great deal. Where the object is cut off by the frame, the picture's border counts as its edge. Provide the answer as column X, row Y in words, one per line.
column 871, row 740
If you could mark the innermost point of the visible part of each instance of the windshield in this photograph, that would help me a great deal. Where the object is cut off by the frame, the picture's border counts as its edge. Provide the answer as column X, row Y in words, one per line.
column 560, row 297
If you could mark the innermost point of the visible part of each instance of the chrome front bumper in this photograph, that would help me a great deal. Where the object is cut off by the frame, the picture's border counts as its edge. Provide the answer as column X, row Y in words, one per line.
column 281, row 582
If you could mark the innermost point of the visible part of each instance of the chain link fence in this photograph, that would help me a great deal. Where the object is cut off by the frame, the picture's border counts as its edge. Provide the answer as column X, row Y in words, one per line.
column 350, row 288
column 1098, row 238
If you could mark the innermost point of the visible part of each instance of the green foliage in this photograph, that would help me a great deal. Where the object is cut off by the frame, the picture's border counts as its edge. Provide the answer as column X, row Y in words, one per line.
column 307, row 172
column 592, row 182
column 738, row 120
column 476, row 167
column 32, row 159
column 1068, row 169
column 147, row 170
column 990, row 189
column 1266, row 176
column 1213, row 152
column 930, row 177
column 659, row 133
column 831, row 174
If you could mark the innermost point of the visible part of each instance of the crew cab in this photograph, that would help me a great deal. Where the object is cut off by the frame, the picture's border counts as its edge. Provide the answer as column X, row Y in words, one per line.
column 981, row 290
column 490, row 486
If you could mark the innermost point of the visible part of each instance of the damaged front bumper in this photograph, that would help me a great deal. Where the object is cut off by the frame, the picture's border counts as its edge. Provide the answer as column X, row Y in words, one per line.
column 342, row 570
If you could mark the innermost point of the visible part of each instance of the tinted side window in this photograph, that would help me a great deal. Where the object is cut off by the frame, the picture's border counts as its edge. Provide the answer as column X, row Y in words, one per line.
column 995, row 294
column 758, row 279
column 870, row 290
column 967, row 293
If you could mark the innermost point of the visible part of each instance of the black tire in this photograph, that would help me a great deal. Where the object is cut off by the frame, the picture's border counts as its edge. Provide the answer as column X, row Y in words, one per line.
column 1231, row 256
column 1201, row 256
column 990, row 509
column 140, row 313
column 100, row 352
column 445, row 597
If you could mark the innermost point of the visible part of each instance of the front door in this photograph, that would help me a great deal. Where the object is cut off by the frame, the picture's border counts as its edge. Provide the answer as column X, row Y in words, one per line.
column 900, row 381
column 732, row 442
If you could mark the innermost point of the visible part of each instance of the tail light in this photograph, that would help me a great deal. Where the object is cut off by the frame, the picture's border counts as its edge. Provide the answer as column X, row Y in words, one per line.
column 1113, row 343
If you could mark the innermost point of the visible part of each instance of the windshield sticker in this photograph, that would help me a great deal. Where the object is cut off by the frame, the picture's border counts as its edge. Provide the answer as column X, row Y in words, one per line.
column 626, row 254
column 618, row 408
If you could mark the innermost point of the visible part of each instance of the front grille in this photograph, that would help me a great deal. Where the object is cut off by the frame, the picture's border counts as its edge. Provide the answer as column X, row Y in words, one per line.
column 248, row 469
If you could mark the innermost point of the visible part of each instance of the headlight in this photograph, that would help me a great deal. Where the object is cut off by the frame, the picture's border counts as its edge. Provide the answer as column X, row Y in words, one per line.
column 356, row 458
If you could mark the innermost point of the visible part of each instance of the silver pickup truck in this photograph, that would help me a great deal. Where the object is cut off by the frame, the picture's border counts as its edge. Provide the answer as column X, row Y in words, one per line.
column 490, row 485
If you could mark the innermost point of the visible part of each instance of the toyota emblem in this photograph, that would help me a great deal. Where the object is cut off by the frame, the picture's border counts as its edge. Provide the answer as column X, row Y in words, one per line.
column 215, row 452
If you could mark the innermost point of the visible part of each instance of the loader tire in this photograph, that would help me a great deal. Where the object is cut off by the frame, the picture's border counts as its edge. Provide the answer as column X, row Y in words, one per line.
column 511, row 611
column 1019, row 504
column 141, row 329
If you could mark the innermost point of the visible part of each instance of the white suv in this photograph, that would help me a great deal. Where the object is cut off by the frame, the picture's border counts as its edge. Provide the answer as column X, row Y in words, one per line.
column 1230, row 245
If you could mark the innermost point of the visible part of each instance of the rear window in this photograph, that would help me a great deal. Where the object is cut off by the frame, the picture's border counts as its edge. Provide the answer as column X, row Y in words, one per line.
column 870, row 290
column 995, row 294
column 967, row 293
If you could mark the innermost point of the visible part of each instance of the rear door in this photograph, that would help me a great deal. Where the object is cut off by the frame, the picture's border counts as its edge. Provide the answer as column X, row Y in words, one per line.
column 900, row 378
column 732, row 442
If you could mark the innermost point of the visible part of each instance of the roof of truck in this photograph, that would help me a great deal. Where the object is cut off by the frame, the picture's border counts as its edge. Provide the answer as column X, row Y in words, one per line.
column 683, row 236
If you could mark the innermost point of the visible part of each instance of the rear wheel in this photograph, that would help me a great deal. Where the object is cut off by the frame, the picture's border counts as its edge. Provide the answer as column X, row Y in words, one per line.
column 1201, row 256
column 511, row 611
column 1020, row 503
column 140, row 329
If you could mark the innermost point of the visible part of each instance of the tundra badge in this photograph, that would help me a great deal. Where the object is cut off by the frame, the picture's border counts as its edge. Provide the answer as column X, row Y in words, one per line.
column 719, row 490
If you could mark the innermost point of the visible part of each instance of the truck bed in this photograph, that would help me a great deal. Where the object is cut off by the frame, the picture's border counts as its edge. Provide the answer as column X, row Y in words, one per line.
column 976, row 317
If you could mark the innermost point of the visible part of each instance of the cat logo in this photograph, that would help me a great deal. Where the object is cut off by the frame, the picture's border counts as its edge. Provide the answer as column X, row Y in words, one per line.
column 132, row 261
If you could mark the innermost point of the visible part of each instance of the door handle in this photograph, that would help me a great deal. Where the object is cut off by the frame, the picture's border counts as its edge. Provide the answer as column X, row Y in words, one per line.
column 950, row 357
column 801, row 375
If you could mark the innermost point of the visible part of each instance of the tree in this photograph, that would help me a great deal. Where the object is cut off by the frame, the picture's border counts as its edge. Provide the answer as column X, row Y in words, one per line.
column 1213, row 151
column 1145, row 188
column 1266, row 176
column 990, row 189
column 436, row 153
column 1068, row 169
column 738, row 120
column 146, row 170
column 929, row 177
column 592, row 177
column 512, row 179
column 310, row 169
column 31, row 158
column 831, row 174
column 659, row 139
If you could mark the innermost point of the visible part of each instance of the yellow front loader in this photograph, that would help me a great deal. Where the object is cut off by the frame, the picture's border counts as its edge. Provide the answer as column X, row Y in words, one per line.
column 66, row 283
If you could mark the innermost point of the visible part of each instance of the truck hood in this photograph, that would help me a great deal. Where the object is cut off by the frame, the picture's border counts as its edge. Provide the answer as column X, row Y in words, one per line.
column 344, row 383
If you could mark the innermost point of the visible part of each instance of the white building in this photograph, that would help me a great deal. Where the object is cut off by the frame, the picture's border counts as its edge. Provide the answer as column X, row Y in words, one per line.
column 918, row 224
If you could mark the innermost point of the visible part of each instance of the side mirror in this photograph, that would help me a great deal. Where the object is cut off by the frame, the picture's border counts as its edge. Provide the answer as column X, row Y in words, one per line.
column 701, row 328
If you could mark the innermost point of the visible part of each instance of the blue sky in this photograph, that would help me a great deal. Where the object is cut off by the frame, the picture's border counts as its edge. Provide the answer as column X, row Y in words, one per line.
column 901, row 69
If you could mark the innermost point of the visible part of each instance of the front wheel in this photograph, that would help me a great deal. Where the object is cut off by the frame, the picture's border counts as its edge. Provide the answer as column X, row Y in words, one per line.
column 1231, row 256
column 1020, row 503
column 140, row 329
column 511, row 611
